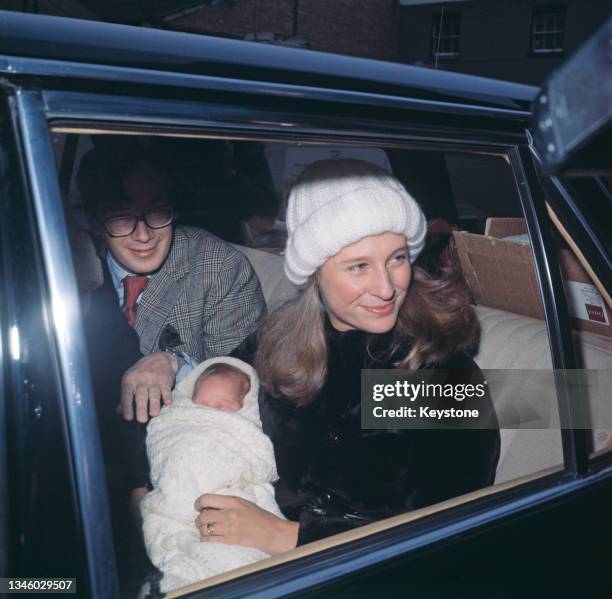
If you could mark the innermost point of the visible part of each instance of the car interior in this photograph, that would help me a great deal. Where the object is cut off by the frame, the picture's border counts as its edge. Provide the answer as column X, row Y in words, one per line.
column 238, row 188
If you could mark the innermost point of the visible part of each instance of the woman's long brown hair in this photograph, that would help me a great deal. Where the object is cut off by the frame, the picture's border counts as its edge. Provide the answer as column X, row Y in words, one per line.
column 435, row 321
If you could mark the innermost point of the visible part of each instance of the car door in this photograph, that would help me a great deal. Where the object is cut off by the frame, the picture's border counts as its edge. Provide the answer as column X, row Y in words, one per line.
column 512, row 535
column 42, row 462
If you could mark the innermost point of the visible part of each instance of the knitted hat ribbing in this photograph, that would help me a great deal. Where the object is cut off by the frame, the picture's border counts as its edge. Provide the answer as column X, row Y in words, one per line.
column 335, row 203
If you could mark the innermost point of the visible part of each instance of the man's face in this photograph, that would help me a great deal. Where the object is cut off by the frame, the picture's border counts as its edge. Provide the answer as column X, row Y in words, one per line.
column 145, row 249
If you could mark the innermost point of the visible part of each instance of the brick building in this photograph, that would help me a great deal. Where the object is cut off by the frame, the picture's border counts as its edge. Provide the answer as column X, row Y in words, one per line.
column 516, row 40
column 355, row 27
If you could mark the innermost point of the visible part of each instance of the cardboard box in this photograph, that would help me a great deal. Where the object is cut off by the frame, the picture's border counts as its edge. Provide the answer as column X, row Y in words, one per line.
column 500, row 273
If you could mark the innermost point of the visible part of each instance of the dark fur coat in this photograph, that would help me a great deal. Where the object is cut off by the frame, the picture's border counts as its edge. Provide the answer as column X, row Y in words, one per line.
column 335, row 476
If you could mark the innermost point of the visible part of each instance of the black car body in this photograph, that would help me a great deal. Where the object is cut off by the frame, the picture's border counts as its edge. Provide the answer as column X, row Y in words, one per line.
column 546, row 533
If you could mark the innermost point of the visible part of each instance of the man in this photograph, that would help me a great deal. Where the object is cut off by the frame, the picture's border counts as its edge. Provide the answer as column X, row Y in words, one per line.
column 181, row 288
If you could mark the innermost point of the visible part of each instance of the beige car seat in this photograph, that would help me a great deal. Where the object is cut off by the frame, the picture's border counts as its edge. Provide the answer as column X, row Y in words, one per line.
column 87, row 264
column 276, row 287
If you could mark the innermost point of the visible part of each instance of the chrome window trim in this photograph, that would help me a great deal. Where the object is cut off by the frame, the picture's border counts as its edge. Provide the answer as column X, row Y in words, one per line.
column 65, row 316
column 575, row 441
column 4, row 483
column 12, row 65
column 91, row 110
column 562, row 189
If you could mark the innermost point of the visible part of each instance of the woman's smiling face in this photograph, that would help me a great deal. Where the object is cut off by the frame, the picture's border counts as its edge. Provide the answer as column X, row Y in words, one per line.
column 365, row 284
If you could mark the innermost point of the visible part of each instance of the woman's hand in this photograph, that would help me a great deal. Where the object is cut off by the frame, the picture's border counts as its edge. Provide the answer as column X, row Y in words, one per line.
column 235, row 521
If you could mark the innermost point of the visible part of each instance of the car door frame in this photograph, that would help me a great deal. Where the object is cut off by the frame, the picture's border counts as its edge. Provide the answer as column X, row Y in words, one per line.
column 36, row 109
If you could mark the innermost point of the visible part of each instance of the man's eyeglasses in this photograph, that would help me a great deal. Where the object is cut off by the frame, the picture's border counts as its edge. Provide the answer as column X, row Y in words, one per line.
column 155, row 218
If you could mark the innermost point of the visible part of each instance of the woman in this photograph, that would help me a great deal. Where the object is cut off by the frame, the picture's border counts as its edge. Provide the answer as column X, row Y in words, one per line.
column 353, row 233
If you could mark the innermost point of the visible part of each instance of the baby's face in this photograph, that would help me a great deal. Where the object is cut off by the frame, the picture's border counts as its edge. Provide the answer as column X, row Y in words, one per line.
column 220, row 391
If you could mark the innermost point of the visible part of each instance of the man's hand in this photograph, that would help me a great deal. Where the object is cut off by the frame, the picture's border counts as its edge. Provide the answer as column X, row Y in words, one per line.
column 148, row 383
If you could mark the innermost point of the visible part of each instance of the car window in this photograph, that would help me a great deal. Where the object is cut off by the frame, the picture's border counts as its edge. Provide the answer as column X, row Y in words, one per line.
column 237, row 189
column 589, row 304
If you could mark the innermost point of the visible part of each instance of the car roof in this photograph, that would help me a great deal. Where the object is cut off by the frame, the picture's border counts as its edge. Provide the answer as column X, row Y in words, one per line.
column 96, row 43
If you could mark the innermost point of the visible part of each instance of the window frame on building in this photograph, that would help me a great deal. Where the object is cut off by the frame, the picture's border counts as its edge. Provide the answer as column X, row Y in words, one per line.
column 439, row 37
column 556, row 13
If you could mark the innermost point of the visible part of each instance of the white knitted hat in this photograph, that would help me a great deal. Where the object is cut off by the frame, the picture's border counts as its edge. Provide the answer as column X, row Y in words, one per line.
column 335, row 203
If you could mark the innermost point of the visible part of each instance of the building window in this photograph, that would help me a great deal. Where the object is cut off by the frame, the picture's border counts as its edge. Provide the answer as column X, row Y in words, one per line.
column 548, row 30
column 446, row 29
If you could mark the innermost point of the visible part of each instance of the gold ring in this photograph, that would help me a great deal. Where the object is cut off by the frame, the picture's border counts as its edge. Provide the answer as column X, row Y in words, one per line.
column 210, row 528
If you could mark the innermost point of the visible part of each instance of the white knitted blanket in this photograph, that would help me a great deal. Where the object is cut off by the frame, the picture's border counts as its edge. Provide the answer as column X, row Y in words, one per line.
column 193, row 450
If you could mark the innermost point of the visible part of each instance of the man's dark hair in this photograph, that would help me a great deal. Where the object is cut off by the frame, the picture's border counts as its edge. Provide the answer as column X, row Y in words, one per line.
column 103, row 169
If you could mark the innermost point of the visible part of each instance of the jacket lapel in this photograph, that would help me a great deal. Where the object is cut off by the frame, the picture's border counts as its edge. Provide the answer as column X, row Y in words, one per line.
column 162, row 292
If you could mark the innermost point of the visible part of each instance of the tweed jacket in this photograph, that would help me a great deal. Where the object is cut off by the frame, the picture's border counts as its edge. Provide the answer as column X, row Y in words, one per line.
column 207, row 291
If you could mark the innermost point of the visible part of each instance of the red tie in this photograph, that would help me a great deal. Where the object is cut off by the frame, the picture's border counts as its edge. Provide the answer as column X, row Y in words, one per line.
column 133, row 286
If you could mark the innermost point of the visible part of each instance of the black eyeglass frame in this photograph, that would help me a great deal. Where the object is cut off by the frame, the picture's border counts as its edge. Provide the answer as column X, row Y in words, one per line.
column 142, row 217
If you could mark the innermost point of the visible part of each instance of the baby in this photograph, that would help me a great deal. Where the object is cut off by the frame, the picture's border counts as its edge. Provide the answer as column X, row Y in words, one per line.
column 221, row 386
column 209, row 440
